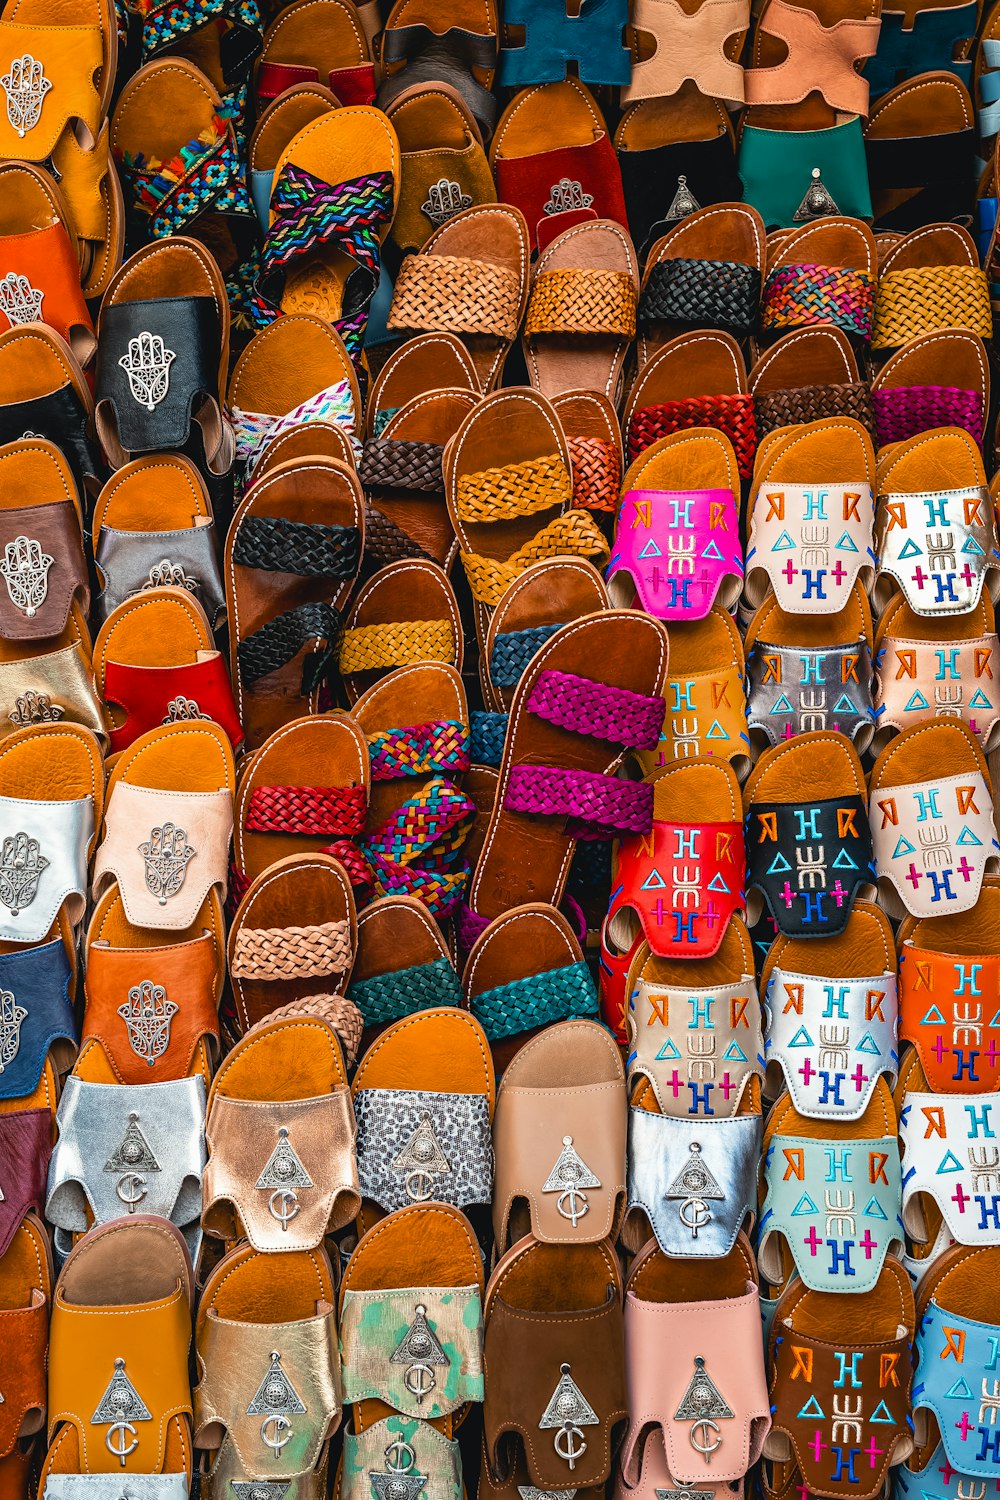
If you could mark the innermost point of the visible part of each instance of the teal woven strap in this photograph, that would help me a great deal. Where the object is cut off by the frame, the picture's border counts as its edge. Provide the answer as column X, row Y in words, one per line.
column 557, row 995
column 389, row 997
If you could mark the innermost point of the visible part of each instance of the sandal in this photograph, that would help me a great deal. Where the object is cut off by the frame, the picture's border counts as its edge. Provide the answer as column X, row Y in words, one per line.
column 41, row 1035
column 414, row 49
column 696, row 380
column 935, row 380
column 705, row 272
column 679, row 152
column 930, row 280
column 44, row 391
column 280, row 1133
column 809, row 375
column 672, row 47
column 444, row 166
column 278, row 124
column 544, row 47
column 594, row 438
column 46, row 583
column 821, row 273
column 316, row 41
column 402, row 964
column 25, row 1302
column 706, row 697
column 42, row 260
column 525, row 972
column 931, row 36
column 404, row 615
column 921, row 143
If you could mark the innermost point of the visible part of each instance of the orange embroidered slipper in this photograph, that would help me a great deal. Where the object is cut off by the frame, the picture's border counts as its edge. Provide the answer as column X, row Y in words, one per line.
column 41, row 256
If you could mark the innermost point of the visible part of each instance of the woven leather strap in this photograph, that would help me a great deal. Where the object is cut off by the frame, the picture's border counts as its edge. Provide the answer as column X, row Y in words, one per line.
column 732, row 415
column 513, row 650
column 800, row 296
column 392, row 464
column 275, row 544
column 441, row 746
column 418, row 850
column 929, row 297
column 574, row 534
column 370, row 648
column 385, row 542
column 292, row 952
column 489, row 730
column 537, row 1000
column 812, row 403
column 523, row 489
column 597, row 806
column 597, row 473
column 703, row 294
column 453, row 294
column 390, row 997
column 581, row 302
column 607, row 713
column 312, row 810
column 340, row 1013
column 905, row 411
column 281, row 639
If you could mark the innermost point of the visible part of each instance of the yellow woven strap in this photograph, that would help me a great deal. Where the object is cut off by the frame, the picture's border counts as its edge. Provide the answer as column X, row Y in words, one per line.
column 601, row 302
column 452, row 294
column 575, row 534
column 929, row 297
column 371, row 647
column 514, row 490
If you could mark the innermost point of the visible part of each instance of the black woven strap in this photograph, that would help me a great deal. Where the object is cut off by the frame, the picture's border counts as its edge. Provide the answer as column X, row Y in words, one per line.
column 704, row 294
column 385, row 542
column 393, row 464
column 277, row 545
column 278, row 642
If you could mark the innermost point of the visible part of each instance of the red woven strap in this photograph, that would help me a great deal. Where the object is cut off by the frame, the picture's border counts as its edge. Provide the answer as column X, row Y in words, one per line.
column 310, row 810
column 597, row 473
column 731, row 415
column 350, row 856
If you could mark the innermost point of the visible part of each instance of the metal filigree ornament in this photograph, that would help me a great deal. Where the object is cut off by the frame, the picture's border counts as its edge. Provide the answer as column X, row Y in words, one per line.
column 181, row 709
column 21, row 866
column 421, row 1159
column 420, row 1350
column 147, row 1014
column 276, row 1400
column 683, row 202
column 34, row 708
column 566, row 195
column 147, row 365
column 25, row 86
column 684, row 1494
column 19, row 299
column 818, row 203
column 532, row 1492
column 399, row 1480
column 25, row 570
column 568, row 1178
column 132, row 1160
column 11, row 1017
column 444, row 200
column 284, row 1173
column 166, row 855
column 259, row 1489
column 119, row 1409
column 568, row 1412
column 695, row 1186
column 168, row 575
column 704, row 1407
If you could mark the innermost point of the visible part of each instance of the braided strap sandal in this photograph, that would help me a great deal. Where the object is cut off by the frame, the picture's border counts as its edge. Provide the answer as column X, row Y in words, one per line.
column 822, row 273
column 569, row 731
column 931, row 279
column 696, row 380
column 406, row 613
column 292, row 554
column 705, row 272
column 781, row 396
column 594, row 438
column 938, row 379
column 191, row 27
column 403, row 963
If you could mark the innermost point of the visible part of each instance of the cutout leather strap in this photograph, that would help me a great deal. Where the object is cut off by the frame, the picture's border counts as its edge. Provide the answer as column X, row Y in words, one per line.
column 934, row 841
column 732, row 415
column 794, row 691
column 651, row 181
column 280, row 640
column 379, row 1366
column 697, row 1047
column 37, row 1016
column 703, row 294
column 150, row 1007
column 392, row 463
column 939, row 168
column 832, row 1039
column 60, row 417
column 685, row 881
column 912, row 43
column 820, row 59
column 804, row 1387
column 695, row 1179
column 944, row 1160
column 688, row 46
column 916, row 681
column 157, row 359
column 812, row 403
column 25, row 1149
column 151, row 696
column 594, row 39
column 24, row 1330
column 955, row 1354
column 681, row 549
column 809, row 861
column 947, row 1012
column 905, row 411
column 43, row 570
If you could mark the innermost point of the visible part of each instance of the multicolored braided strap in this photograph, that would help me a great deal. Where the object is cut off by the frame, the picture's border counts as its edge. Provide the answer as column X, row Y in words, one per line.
column 309, row 215
column 418, row 851
column 441, row 746
column 905, row 411
column 334, row 406
column 800, row 296
column 390, row 997
column 732, row 415
column 566, row 994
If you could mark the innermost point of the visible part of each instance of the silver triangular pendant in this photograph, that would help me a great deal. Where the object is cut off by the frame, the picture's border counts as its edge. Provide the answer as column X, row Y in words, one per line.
column 283, row 1169
column 568, row 1412
column 702, row 1399
column 399, row 1480
column 817, row 203
column 259, row 1489
column 570, row 1170
column 683, row 203
column 694, row 1180
column 121, row 1402
column 133, row 1154
column 276, row 1396
column 419, row 1343
column 422, row 1152
column 532, row 1492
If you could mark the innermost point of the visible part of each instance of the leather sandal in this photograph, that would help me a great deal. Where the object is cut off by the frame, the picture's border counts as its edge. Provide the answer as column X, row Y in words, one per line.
column 696, row 380
column 808, row 672
column 153, row 527
column 404, row 615
column 277, row 125
column 119, row 1393
column 422, row 366
column 268, row 1369
column 809, row 375
column 46, row 583
column 938, row 379
column 423, row 1099
column 679, row 502
column 554, row 1419
column 155, row 663
column 44, row 391
column 402, row 964
column 920, row 142
column 594, row 437
column 319, row 42
column 676, row 153
column 470, row 279
column 42, row 256
column 873, row 1332
column 222, row 42
column 25, row 1301
column 281, row 1168
column 933, row 37
column 705, row 695
column 292, row 554
column 933, row 771
column 705, row 272
column 821, row 273
column 810, row 788
column 293, row 936
column 28, row 1132
column 417, row 47
column 542, row 48
column 930, row 280
column 672, row 46
column 690, row 1423
column 444, row 166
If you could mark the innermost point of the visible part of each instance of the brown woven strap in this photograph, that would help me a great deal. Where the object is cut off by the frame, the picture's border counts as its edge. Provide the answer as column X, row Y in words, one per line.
column 601, row 302
column 392, row 464
column 814, row 403
column 385, row 542
column 337, row 1011
column 370, row 648
column 292, row 952
column 452, row 294
column 514, row 490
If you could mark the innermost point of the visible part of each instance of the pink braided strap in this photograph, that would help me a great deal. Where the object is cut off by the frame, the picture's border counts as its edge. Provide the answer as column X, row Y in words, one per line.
column 597, row 806
column 906, row 411
column 607, row 713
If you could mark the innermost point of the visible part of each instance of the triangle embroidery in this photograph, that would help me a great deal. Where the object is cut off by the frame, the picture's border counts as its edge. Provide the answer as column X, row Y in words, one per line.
column 716, row 732
column 702, row 1400
column 874, row 1210
column 734, row 1053
column 283, row 1169
column 668, row 1052
column 917, row 700
column 979, row 700
column 570, row 1171
column 781, row 705
column 568, row 1406
column 784, row 543
column 972, row 548
column 804, row 1207
column 276, row 1396
column 812, row 1408
column 712, row 551
column 650, row 550
column 960, row 1390
column 718, row 884
column 844, row 861
column 933, row 1017
column 133, row 1153
column 846, row 543
column 779, row 865
column 844, row 705
column 909, row 549
column 801, row 1038
column 868, row 1044
column 949, row 1163
column 654, row 881
column 881, row 1415
column 903, row 846
column 121, row 1401
column 967, row 837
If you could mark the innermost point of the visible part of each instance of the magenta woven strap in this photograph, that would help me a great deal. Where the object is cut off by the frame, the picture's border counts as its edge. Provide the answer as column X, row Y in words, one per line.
column 607, row 713
column 469, row 925
column 597, row 806
column 905, row 411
